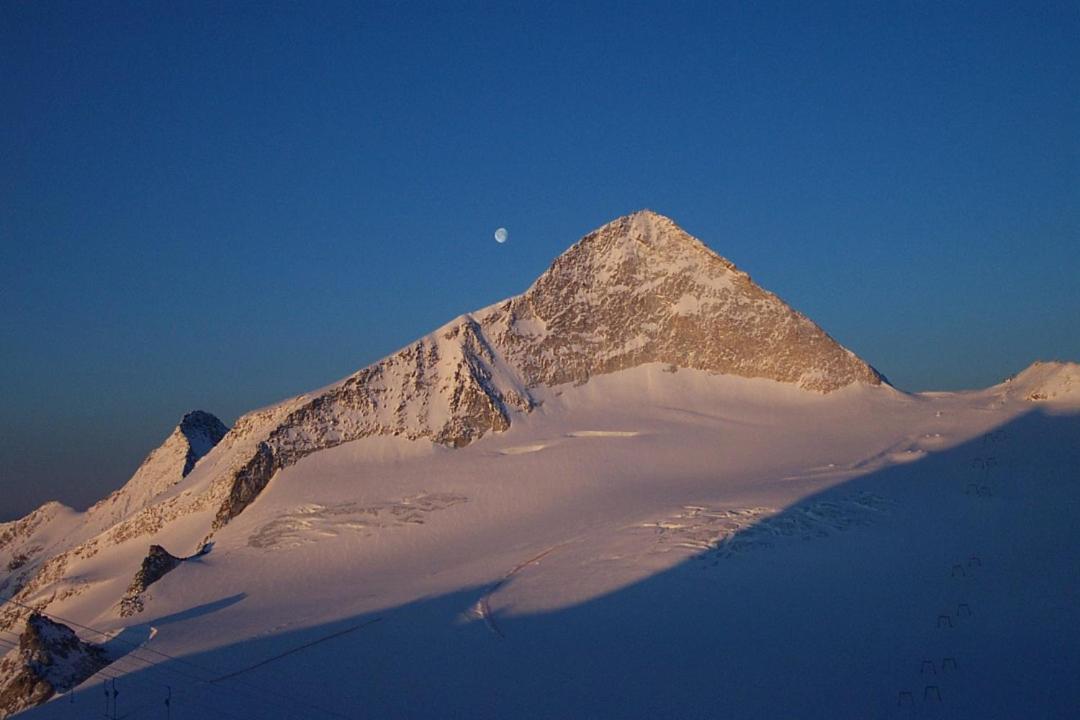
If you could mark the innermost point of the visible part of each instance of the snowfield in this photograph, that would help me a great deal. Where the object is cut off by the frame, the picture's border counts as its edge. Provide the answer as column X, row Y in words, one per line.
column 683, row 545
column 643, row 488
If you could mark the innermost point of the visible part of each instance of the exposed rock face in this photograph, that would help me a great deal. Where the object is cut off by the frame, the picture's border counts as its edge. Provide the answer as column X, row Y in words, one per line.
column 196, row 435
column 450, row 387
column 17, row 561
column 247, row 483
column 36, row 551
column 638, row 290
column 203, row 432
column 641, row 290
column 157, row 563
column 50, row 659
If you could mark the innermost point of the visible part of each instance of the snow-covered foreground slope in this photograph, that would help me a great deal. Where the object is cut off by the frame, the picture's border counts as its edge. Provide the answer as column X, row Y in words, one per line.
column 648, row 544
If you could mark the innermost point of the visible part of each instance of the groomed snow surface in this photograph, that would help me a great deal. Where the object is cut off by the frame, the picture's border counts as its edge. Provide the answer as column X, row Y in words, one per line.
column 651, row 544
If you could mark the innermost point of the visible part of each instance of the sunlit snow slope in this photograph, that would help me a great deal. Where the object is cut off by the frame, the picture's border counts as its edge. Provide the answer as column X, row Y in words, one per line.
column 643, row 488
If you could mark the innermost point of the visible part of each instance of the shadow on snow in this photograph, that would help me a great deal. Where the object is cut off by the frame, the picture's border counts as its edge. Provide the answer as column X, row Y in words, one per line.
column 965, row 589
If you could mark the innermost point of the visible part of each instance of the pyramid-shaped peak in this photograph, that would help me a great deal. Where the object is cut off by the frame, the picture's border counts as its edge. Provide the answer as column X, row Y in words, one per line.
column 639, row 249
column 645, row 218
column 640, row 289
column 647, row 221
column 645, row 228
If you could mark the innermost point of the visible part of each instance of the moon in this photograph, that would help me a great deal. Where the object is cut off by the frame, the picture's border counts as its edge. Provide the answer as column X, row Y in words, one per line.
column 501, row 235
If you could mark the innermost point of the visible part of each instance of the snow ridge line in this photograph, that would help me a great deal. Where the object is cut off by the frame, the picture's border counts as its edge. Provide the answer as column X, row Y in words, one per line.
column 442, row 387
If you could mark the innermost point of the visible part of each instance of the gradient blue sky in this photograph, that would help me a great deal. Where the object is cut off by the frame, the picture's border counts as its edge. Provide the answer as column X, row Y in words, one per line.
column 216, row 206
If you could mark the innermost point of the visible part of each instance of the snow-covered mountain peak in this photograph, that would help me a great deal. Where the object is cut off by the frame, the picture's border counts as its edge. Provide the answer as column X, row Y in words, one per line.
column 35, row 549
column 654, row 399
column 196, row 435
column 640, row 289
column 642, row 244
column 1043, row 381
column 647, row 228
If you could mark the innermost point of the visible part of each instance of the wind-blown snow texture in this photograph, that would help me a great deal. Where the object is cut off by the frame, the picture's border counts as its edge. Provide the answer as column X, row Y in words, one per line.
column 644, row 487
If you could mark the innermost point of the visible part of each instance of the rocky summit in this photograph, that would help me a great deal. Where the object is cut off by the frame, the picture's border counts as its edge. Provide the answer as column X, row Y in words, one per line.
column 638, row 290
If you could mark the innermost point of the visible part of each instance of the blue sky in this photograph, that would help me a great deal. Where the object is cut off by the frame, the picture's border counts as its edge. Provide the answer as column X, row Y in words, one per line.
column 207, row 205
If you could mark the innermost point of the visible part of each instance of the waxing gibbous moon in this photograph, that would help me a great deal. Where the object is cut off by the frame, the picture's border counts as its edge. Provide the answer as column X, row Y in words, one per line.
column 501, row 235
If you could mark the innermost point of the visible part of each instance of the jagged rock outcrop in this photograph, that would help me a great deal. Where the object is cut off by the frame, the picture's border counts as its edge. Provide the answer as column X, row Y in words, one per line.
column 50, row 659
column 247, row 482
column 196, row 435
column 157, row 563
column 203, row 432
column 450, row 387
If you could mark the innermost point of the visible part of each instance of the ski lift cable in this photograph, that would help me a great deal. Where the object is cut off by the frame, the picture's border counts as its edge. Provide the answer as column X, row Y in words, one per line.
column 107, row 677
column 109, row 672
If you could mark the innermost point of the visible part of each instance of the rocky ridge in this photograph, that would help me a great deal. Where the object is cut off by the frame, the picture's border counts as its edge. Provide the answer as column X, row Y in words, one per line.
column 157, row 563
column 36, row 551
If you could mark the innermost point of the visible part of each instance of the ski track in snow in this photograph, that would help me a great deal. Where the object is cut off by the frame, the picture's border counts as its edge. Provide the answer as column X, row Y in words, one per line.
column 482, row 609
